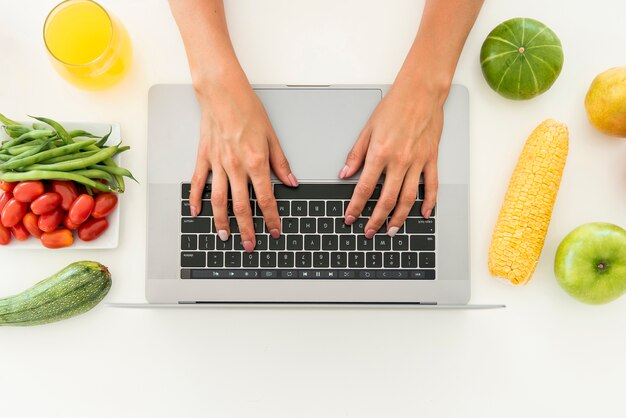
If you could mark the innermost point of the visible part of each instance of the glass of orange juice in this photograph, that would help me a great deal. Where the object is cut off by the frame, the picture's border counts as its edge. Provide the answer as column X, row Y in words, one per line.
column 88, row 46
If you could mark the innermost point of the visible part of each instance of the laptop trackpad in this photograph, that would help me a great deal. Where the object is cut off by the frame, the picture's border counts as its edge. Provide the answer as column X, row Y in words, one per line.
column 317, row 127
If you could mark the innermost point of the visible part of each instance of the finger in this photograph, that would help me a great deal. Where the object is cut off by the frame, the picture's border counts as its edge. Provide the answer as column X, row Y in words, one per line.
column 279, row 163
column 198, row 181
column 241, row 209
column 386, row 201
column 362, row 191
column 219, row 202
column 406, row 200
column 356, row 156
column 431, row 186
column 265, row 199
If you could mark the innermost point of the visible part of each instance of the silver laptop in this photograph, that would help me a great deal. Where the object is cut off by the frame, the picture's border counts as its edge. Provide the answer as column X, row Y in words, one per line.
column 318, row 258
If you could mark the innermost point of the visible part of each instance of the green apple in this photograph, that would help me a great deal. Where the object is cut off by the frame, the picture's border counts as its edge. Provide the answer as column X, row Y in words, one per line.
column 590, row 263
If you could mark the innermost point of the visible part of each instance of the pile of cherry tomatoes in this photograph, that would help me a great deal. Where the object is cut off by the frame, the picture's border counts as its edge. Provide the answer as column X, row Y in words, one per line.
column 51, row 211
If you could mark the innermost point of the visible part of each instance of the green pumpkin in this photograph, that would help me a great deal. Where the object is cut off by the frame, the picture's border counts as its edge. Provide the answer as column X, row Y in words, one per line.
column 521, row 58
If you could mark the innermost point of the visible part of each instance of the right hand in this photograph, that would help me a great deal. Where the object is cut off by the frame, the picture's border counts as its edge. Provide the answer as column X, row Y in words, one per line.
column 237, row 143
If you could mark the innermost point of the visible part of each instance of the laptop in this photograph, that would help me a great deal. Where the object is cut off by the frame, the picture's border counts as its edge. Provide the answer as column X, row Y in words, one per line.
column 318, row 258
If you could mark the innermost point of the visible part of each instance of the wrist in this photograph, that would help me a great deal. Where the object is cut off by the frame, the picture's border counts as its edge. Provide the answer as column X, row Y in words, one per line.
column 215, row 81
column 422, row 82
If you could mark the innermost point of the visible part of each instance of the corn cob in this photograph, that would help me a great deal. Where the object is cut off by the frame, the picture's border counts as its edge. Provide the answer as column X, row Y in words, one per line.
column 525, row 214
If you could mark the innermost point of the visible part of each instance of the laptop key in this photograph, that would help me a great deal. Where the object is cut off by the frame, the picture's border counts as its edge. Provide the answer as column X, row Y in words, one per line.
column 400, row 242
column 374, row 259
column 427, row 260
column 316, row 208
column 250, row 259
column 189, row 242
column 338, row 259
column 321, row 259
column 195, row 225
column 420, row 193
column 334, row 208
column 325, row 226
column 283, row 207
column 416, row 210
column 277, row 244
column 341, row 227
column 330, row 242
column 298, row 208
column 303, row 259
column 369, row 208
column 232, row 259
column 359, row 226
column 267, row 259
column 215, row 259
column 364, row 244
column 409, row 260
column 234, row 226
column 356, row 259
column 224, row 245
column 422, row 243
column 312, row 242
column 391, row 260
column 294, row 242
column 285, row 259
column 290, row 225
column 258, row 225
column 185, row 208
column 347, row 242
column 423, row 274
column 206, row 242
column 307, row 225
column 420, row 226
column 382, row 242
column 261, row 242
column 192, row 259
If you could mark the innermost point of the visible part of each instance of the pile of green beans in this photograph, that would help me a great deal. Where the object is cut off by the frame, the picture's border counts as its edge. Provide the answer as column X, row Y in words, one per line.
column 47, row 151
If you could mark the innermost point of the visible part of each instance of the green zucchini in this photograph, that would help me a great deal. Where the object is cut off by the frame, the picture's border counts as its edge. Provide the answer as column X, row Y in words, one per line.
column 70, row 292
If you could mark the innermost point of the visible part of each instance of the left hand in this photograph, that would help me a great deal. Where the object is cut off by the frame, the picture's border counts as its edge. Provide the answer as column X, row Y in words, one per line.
column 401, row 139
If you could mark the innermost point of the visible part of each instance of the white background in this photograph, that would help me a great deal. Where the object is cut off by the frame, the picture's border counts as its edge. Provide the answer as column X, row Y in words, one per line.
column 545, row 354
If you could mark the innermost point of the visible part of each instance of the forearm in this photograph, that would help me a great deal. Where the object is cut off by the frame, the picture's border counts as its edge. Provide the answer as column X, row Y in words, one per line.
column 435, row 52
column 212, row 59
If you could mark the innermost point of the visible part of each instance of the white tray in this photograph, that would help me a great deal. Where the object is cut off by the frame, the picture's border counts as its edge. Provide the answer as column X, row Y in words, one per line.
column 110, row 237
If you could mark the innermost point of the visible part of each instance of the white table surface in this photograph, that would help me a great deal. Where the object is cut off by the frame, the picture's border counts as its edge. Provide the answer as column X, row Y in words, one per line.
column 545, row 354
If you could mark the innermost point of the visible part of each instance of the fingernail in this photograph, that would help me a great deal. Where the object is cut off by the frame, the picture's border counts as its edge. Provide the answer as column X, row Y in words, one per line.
column 194, row 211
column 275, row 233
column 248, row 246
column 293, row 180
column 350, row 220
column 427, row 214
column 223, row 234
column 369, row 234
column 344, row 171
column 393, row 231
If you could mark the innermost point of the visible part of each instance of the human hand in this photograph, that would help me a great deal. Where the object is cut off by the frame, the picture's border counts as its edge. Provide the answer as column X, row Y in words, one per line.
column 401, row 139
column 237, row 143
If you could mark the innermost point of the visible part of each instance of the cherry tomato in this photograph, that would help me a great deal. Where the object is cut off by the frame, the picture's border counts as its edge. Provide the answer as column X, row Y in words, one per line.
column 13, row 212
column 45, row 203
column 92, row 228
column 58, row 238
column 67, row 190
column 6, row 186
column 20, row 232
column 49, row 221
column 5, row 235
column 104, row 204
column 30, row 221
column 68, row 224
column 4, row 198
column 81, row 209
column 27, row 191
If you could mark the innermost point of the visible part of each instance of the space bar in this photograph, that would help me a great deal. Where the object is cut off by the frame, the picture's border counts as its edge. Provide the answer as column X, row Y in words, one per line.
column 319, row 191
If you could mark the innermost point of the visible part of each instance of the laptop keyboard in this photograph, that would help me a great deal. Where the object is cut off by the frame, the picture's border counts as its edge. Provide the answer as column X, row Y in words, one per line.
column 315, row 243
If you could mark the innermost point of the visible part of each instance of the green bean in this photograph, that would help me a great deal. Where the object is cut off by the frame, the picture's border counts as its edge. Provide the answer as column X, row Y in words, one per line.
column 122, row 149
column 45, row 155
column 14, row 131
column 53, row 175
column 31, row 151
column 104, row 139
column 94, row 173
column 7, row 121
column 34, row 134
column 64, row 158
column 21, row 148
column 60, row 130
column 4, row 157
column 115, row 170
column 41, row 126
column 76, row 164
column 79, row 132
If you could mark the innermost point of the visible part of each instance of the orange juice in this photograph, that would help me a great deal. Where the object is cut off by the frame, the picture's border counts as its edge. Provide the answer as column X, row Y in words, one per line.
column 88, row 46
